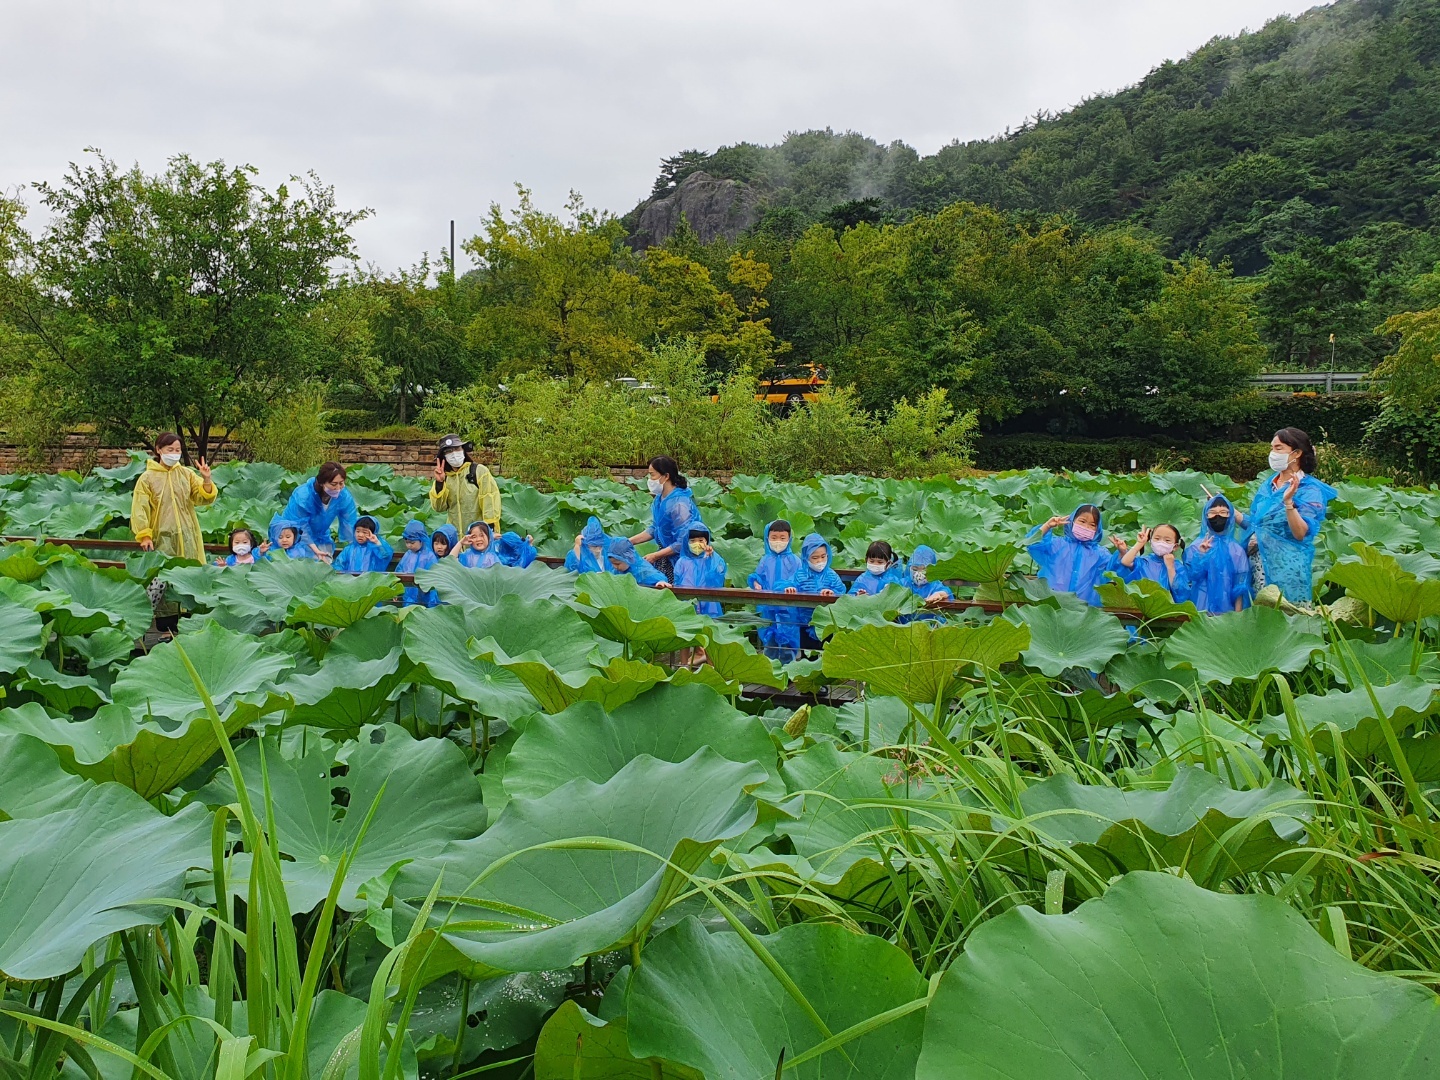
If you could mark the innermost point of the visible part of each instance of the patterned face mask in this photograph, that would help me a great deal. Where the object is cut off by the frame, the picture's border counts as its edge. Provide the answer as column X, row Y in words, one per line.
column 697, row 547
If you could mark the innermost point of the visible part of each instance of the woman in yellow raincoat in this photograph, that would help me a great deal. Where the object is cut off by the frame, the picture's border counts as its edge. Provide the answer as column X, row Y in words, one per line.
column 162, row 510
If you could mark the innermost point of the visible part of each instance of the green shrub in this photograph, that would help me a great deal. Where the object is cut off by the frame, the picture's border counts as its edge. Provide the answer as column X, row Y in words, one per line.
column 294, row 433
column 1406, row 440
column 832, row 434
column 1243, row 461
column 927, row 438
column 1340, row 419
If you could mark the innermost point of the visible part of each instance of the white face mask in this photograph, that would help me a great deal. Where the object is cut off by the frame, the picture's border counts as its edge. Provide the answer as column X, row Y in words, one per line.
column 170, row 459
column 653, row 485
column 876, row 568
column 455, row 458
column 241, row 548
column 1279, row 460
column 817, row 564
column 918, row 575
column 779, row 547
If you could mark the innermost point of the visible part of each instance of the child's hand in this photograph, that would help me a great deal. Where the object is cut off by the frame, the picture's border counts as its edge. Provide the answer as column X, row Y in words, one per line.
column 1205, row 544
column 1169, row 561
column 264, row 546
column 859, row 592
column 464, row 543
column 663, row 585
column 219, row 562
column 1056, row 521
column 825, row 592
column 934, row 598
column 1143, row 538
column 792, row 589
column 1120, row 544
column 758, row 587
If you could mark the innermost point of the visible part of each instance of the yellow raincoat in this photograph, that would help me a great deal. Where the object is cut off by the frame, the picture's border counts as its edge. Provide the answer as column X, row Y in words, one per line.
column 163, row 509
column 464, row 502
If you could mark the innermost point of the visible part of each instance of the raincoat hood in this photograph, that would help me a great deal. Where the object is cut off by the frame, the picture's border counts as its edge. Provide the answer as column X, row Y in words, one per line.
column 285, row 523
column 593, row 535
column 808, row 546
column 924, row 556
column 1070, row 528
column 514, row 550
column 452, row 536
column 698, row 526
column 1228, row 533
column 622, row 550
column 489, row 532
column 415, row 530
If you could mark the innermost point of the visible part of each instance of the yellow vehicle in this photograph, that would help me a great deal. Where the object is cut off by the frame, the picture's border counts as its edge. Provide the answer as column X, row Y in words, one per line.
column 791, row 387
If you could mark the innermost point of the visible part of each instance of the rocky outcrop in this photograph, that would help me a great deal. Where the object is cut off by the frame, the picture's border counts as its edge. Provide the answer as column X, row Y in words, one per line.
column 714, row 208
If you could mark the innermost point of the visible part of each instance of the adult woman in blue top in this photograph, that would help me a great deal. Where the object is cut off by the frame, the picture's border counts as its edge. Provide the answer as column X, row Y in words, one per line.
column 1286, row 515
column 671, row 512
column 320, row 504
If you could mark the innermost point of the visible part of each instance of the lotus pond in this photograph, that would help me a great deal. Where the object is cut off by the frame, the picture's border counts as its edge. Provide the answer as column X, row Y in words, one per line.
column 321, row 836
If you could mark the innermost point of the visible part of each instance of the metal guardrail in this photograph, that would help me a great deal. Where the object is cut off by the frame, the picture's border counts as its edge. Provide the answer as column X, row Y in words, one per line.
column 1328, row 379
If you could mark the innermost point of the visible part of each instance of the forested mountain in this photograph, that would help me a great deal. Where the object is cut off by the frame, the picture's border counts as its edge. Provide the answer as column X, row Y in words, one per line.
column 1319, row 128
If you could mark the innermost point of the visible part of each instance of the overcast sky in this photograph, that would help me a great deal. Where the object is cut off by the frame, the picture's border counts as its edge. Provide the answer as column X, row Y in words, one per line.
column 432, row 109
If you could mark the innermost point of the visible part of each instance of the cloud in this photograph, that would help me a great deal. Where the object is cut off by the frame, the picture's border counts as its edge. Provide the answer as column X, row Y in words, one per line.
column 430, row 110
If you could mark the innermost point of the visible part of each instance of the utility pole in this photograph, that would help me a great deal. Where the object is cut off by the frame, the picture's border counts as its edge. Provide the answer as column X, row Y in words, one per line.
column 452, row 260
column 1330, row 378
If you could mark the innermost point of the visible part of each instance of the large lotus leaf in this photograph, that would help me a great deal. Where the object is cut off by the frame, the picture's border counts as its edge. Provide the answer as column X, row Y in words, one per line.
column 61, row 690
column 32, row 781
column 984, row 565
column 648, row 620
column 546, row 643
column 737, row 662
column 233, row 668
column 574, row 1043
column 1186, row 825
column 22, row 633
column 548, row 909
column 919, row 663
column 77, row 875
column 1070, row 715
column 1381, row 582
column 1160, row 978
column 1062, row 638
column 708, row 1001
column 229, row 595
column 1151, row 599
column 529, row 509
column 853, row 612
column 876, row 720
column 363, row 667
column 1379, row 662
column 1376, row 528
column 20, row 564
column 430, row 797
column 1141, row 671
column 1354, row 714
column 344, row 599
column 97, row 600
column 1241, row 645
column 669, row 723
column 457, row 584
column 438, row 640
column 741, row 558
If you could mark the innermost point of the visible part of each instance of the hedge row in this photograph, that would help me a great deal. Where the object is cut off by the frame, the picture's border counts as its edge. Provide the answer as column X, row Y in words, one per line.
column 1243, row 461
column 1334, row 418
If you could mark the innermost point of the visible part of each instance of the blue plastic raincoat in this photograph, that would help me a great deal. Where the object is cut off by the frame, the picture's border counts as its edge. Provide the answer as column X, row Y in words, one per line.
column 670, row 518
column 781, row 638
column 412, row 562
column 255, row 557
column 871, row 584
column 701, row 572
column 593, row 543
column 514, row 550
column 623, row 551
column 358, row 558
column 480, row 560
column 300, row 549
column 1071, row 565
column 1288, row 562
column 452, row 537
column 1221, row 576
column 317, row 517
column 1152, row 567
column 806, row 580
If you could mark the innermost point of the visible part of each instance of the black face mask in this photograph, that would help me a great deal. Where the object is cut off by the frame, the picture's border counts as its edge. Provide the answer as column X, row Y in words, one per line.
column 1218, row 524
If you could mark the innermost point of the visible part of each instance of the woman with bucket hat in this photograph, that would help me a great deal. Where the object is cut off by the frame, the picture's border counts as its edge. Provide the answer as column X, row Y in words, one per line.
column 464, row 489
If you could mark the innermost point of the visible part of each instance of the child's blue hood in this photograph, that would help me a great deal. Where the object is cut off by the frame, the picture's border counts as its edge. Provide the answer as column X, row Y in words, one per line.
column 1099, row 527
column 622, row 550
column 808, row 546
column 285, row 523
column 415, row 530
column 452, row 537
column 1229, row 531
column 593, row 535
column 924, row 555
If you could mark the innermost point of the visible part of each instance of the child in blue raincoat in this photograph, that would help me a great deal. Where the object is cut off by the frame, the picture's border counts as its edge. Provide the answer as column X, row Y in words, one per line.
column 368, row 552
column 882, row 568
column 1072, row 558
column 418, row 556
column 288, row 537
column 814, row 577
column 243, row 551
column 443, row 541
column 1217, row 563
column 917, row 577
column 1164, row 564
column 588, row 555
column 701, row 568
column 624, row 559
column 475, row 547
column 515, row 550
column 781, row 638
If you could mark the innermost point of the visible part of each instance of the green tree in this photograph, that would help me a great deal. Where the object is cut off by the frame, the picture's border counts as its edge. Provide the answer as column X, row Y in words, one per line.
column 177, row 300
column 415, row 339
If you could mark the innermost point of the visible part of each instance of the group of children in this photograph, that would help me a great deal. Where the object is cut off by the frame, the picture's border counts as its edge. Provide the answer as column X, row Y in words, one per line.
column 1213, row 572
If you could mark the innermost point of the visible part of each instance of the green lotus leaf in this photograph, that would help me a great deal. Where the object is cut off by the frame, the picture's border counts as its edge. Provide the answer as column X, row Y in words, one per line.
column 20, row 564
column 918, row 662
column 429, row 798
column 61, row 691
column 22, row 634
column 77, row 875
column 708, row 1001
column 529, row 510
column 344, row 599
column 76, row 518
column 33, row 783
column 853, row 612
column 574, row 1043
column 1242, row 645
column 438, row 641
column 885, row 718
column 650, row 621
column 1378, row 529
column 1380, row 662
column 548, row 909
column 737, row 662
column 669, row 723
column 1073, row 715
column 1379, row 580
column 230, row 596
column 461, row 585
column 1151, row 599
column 97, row 599
column 1062, row 638
column 983, row 565
column 1141, row 671
column 363, row 667
column 1191, row 824
column 1354, row 714
column 1162, row 978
